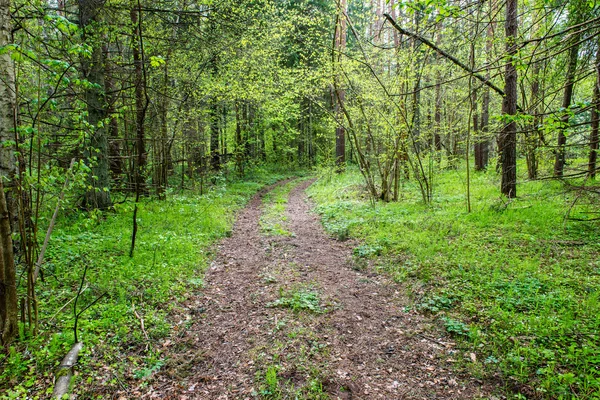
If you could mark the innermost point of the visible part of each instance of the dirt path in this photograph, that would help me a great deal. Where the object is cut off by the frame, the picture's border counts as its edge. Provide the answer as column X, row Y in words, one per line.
column 358, row 343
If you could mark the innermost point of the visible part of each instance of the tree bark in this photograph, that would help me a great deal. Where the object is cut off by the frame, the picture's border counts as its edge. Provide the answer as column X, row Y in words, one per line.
column 482, row 145
column 8, row 164
column 508, row 135
column 595, row 120
column 559, row 162
column 114, row 148
column 339, row 96
column 141, row 99
column 8, row 281
column 98, row 196
column 437, row 113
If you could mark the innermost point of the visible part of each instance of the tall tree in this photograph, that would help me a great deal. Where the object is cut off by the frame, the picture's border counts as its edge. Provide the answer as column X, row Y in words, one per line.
column 8, row 165
column 576, row 16
column 508, row 135
column 482, row 146
column 8, row 281
column 141, row 96
column 98, row 194
column 339, row 92
column 8, row 288
column 595, row 117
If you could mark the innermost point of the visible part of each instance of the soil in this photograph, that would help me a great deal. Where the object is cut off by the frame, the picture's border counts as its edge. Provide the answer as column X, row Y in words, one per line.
column 361, row 342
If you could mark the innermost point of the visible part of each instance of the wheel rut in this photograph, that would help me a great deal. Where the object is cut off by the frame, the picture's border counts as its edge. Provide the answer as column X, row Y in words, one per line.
column 360, row 342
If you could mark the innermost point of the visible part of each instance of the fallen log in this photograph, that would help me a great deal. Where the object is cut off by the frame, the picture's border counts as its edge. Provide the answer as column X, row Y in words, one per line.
column 65, row 372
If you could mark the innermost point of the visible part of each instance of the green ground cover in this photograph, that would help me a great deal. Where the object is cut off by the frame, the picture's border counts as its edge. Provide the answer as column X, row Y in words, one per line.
column 172, row 252
column 273, row 218
column 515, row 282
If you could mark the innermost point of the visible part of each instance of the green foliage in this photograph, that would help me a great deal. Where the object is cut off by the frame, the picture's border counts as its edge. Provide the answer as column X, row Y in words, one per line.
column 299, row 299
column 269, row 384
column 515, row 282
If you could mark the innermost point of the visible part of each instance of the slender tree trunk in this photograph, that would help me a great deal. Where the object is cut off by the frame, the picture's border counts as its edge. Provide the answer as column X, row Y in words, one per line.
column 483, row 142
column 8, row 276
column 508, row 136
column 339, row 95
column 8, row 164
column 141, row 100
column 532, row 135
column 114, row 148
column 162, row 146
column 239, row 146
column 595, row 120
column 437, row 113
column 559, row 162
column 215, row 158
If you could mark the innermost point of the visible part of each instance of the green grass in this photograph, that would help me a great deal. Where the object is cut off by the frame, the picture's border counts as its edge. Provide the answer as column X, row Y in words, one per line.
column 273, row 219
column 172, row 251
column 515, row 282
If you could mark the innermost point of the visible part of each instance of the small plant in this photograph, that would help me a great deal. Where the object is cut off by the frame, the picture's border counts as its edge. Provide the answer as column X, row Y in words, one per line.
column 435, row 304
column 298, row 300
column 366, row 251
column 456, row 327
column 269, row 388
column 145, row 373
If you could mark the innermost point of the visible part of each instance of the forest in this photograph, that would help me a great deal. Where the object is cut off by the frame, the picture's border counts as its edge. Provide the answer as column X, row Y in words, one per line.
column 299, row 199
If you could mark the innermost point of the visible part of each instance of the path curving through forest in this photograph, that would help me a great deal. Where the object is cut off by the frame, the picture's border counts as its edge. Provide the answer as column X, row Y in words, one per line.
column 345, row 334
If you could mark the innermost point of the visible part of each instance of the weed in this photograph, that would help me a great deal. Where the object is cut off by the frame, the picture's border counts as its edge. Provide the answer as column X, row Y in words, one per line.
column 269, row 384
column 300, row 299
column 367, row 251
column 456, row 327
column 435, row 304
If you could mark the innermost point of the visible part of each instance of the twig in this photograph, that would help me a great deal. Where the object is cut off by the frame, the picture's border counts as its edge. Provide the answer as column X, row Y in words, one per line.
column 141, row 324
column 66, row 304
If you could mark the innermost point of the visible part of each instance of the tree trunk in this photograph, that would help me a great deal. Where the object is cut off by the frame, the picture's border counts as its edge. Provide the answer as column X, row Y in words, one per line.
column 483, row 142
column 559, row 162
column 8, row 281
column 532, row 135
column 508, row 135
column 339, row 95
column 93, row 70
column 437, row 113
column 8, row 164
column 114, row 148
column 141, row 100
column 215, row 158
column 595, row 120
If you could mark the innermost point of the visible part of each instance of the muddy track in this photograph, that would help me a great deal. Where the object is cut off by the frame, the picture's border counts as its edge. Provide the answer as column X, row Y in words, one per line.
column 362, row 345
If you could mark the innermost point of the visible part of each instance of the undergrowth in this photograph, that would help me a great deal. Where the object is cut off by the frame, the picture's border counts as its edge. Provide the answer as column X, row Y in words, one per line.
column 172, row 251
column 516, row 283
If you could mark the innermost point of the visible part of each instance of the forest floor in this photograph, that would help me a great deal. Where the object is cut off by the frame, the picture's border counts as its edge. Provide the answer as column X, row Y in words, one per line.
column 285, row 313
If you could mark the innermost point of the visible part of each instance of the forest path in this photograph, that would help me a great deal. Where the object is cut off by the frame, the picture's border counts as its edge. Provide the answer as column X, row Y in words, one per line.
column 344, row 334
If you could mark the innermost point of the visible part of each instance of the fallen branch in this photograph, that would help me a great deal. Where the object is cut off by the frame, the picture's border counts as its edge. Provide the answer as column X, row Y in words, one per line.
column 65, row 372
column 446, row 55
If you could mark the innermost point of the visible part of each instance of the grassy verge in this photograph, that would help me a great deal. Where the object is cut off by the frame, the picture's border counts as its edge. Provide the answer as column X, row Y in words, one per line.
column 518, row 285
column 172, row 252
